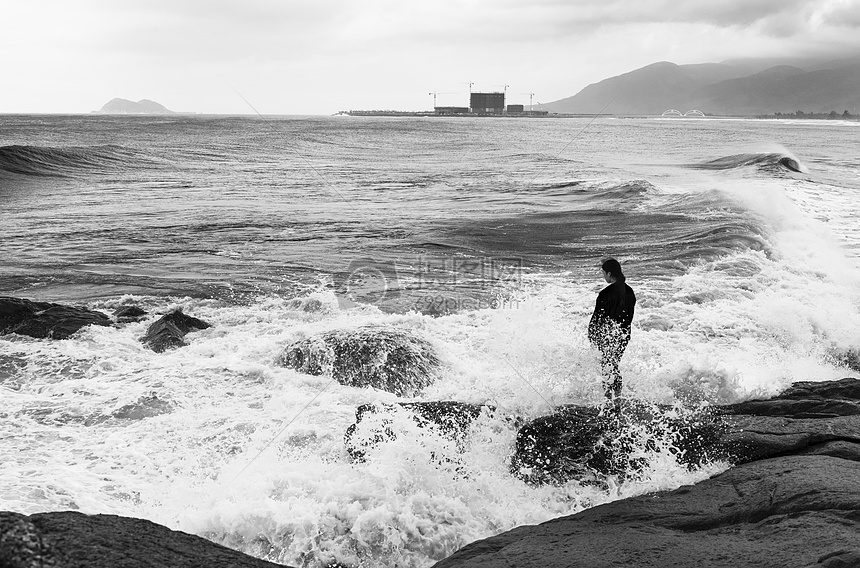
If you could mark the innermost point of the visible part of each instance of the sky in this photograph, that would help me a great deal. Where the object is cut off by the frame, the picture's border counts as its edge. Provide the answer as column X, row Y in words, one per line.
column 324, row 56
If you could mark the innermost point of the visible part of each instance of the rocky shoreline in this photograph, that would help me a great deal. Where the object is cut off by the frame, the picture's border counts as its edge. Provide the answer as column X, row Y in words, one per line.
column 791, row 499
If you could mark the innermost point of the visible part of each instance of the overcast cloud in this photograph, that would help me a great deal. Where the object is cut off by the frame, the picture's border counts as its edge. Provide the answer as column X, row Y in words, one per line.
column 329, row 55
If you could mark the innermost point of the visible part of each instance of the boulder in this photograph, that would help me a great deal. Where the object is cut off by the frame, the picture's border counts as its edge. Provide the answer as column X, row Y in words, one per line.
column 70, row 539
column 45, row 320
column 449, row 418
column 169, row 330
column 579, row 443
column 589, row 443
column 390, row 359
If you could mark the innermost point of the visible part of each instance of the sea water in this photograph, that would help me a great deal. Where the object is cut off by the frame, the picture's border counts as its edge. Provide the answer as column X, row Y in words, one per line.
column 483, row 236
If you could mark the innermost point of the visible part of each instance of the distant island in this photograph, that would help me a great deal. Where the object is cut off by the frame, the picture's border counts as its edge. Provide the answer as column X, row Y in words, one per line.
column 124, row 106
column 753, row 87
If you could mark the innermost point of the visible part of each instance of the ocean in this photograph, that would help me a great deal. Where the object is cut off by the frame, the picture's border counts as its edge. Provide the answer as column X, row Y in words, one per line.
column 483, row 236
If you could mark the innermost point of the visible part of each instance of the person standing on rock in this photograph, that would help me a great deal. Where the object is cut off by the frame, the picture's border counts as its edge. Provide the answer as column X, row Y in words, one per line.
column 609, row 328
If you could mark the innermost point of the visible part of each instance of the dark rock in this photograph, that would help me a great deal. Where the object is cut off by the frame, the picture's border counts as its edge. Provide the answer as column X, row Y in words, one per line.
column 169, row 330
column 814, row 418
column 163, row 335
column 793, row 511
column 807, row 400
column 129, row 314
column 74, row 540
column 22, row 546
column 390, row 359
column 45, row 320
column 451, row 419
column 758, row 437
column 587, row 443
column 811, row 418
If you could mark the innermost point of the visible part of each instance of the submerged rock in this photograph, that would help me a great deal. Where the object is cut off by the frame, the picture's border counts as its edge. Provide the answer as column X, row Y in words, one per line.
column 145, row 407
column 390, row 359
column 45, row 320
column 73, row 540
column 451, row 419
column 168, row 332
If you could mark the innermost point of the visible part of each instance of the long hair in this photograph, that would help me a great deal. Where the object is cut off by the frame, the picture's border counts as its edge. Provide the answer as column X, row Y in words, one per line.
column 613, row 267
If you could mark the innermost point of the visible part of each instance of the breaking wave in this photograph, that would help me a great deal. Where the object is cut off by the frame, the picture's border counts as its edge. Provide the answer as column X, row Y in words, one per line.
column 771, row 161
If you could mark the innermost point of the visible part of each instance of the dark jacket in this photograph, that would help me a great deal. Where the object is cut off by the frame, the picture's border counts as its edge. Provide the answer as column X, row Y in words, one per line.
column 612, row 316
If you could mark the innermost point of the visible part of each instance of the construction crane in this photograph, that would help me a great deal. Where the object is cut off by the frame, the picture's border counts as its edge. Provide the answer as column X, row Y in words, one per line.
column 434, row 93
column 531, row 97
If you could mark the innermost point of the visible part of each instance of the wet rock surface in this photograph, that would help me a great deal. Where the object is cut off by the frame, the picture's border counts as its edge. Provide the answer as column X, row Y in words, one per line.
column 168, row 332
column 390, row 359
column 73, row 540
column 792, row 500
column 586, row 443
column 45, row 320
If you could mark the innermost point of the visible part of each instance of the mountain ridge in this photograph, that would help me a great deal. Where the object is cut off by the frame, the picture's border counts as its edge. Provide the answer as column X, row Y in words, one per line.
column 747, row 87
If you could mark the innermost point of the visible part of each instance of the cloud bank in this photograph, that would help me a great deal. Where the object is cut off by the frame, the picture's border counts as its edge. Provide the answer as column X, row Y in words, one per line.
column 328, row 55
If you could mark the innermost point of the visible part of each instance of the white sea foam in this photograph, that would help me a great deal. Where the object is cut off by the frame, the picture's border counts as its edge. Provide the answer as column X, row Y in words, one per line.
column 251, row 454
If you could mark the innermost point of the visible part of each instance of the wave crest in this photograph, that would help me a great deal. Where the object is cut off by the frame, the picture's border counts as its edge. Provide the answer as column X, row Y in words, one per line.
column 601, row 190
column 46, row 161
column 770, row 161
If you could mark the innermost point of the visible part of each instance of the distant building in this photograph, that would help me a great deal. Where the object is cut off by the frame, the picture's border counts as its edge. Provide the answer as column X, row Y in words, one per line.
column 451, row 110
column 487, row 103
column 515, row 109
